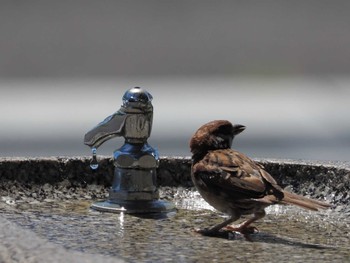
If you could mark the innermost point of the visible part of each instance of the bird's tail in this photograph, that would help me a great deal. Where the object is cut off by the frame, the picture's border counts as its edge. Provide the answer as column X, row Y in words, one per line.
column 304, row 202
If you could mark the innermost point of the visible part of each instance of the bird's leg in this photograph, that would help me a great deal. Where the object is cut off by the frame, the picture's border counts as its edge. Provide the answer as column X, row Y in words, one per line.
column 245, row 227
column 214, row 229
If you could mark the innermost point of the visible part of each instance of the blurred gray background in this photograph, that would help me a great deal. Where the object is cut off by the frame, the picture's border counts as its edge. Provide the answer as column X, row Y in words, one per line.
column 279, row 67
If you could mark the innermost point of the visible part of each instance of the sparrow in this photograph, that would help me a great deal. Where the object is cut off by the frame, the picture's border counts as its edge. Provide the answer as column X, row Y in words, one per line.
column 233, row 183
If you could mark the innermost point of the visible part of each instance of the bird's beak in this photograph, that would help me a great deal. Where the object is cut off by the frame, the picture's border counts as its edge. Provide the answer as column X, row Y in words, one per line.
column 238, row 128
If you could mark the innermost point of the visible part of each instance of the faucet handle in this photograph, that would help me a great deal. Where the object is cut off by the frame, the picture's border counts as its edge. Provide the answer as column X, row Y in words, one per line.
column 111, row 127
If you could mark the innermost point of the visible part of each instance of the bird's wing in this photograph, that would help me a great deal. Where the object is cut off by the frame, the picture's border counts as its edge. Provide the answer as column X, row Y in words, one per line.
column 232, row 172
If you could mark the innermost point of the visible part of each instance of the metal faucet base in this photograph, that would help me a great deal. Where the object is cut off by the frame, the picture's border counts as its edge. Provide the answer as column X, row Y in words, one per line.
column 134, row 207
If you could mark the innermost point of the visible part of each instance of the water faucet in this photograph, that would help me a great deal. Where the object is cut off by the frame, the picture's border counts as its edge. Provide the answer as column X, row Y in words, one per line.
column 134, row 188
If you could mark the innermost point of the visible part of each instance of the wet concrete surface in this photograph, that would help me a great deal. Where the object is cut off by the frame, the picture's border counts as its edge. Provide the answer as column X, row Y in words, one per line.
column 286, row 233
column 59, row 214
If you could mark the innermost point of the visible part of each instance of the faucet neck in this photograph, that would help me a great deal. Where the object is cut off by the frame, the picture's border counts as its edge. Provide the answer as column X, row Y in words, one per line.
column 135, row 141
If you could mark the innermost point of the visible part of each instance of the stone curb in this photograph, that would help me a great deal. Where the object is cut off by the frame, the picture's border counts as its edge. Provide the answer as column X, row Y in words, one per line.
column 314, row 178
column 55, row 177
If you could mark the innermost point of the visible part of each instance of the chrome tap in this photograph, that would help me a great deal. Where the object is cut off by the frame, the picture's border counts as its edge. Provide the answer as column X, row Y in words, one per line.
column 134, row 188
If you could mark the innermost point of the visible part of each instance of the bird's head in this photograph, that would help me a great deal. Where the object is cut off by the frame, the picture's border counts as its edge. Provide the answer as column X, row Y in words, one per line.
column 214, row 135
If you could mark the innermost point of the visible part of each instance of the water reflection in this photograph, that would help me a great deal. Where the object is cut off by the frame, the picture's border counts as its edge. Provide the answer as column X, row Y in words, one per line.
column 121, row 225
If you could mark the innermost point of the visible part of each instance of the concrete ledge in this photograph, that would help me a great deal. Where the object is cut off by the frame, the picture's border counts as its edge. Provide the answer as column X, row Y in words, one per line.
column 29, row 180
column 330, row 180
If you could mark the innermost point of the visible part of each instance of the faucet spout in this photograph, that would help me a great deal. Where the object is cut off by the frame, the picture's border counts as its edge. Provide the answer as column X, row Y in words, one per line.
column 111, row 127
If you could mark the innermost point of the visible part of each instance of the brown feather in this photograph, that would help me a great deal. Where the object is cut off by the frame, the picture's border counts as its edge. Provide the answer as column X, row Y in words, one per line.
column 304, row 202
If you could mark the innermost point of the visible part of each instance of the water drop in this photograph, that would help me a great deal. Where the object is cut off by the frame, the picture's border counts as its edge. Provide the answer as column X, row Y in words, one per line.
column 94, row 163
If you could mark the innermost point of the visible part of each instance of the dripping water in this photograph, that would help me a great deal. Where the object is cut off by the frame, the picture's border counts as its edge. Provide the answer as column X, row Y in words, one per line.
column 94, row 163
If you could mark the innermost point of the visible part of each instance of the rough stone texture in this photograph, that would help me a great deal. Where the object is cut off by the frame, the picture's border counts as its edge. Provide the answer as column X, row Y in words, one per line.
column 64, row 178
column 321, row 180
column 65, row 187
column 56, row 169
column 174, row 171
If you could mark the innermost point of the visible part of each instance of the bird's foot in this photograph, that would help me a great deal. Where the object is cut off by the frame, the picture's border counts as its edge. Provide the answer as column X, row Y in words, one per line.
column 245, row 230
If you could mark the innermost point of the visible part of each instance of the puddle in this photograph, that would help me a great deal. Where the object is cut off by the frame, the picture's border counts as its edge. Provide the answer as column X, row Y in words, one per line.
column 286, row 233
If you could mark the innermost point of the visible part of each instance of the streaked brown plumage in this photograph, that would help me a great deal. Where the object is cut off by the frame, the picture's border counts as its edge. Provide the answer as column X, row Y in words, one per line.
column 233, row 183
